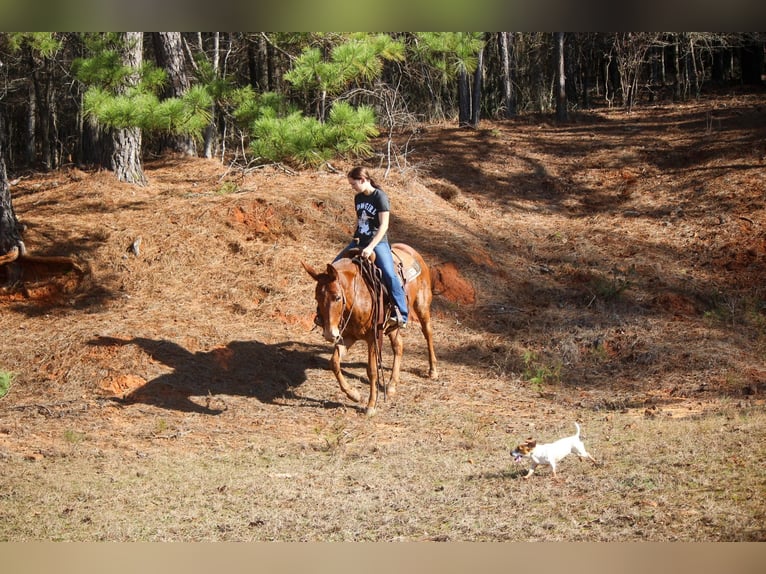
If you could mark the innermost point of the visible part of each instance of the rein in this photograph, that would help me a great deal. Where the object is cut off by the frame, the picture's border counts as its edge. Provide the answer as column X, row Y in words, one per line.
column 343, row 324
column 370, row 274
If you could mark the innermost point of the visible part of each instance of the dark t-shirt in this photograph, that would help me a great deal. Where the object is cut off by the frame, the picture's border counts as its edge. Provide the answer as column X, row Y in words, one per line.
column 368, row 208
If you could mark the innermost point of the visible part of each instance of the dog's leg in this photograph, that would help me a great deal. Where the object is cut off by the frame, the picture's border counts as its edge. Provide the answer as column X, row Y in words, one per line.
column 583, row 454
column 531, row 470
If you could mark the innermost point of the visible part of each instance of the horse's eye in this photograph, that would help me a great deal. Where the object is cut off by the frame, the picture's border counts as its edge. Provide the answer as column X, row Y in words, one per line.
column 337, row 298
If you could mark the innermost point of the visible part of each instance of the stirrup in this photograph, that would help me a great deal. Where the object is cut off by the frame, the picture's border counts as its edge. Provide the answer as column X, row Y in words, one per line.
column 394, row 321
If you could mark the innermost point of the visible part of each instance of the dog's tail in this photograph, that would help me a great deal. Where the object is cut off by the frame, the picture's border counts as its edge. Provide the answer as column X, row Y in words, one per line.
column 578, row 429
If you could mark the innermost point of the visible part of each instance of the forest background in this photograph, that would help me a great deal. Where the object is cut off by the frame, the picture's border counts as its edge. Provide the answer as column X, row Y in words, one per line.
column 303, row 98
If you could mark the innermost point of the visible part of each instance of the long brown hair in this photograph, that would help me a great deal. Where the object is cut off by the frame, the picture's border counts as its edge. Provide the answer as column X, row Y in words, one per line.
column 360, row 172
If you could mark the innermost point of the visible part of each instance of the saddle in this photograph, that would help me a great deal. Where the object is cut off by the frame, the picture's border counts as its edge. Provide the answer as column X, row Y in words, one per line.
column 406, row 266
column 407, row 269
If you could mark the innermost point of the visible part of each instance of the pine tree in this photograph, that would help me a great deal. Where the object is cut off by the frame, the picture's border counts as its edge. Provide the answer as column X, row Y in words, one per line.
column 122, row 97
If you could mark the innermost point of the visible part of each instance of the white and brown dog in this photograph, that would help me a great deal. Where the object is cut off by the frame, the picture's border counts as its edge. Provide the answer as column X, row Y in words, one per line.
column 550, row 453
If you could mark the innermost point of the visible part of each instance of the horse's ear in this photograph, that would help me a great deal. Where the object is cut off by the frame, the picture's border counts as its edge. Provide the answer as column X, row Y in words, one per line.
column 332, row 272
column 311, row 271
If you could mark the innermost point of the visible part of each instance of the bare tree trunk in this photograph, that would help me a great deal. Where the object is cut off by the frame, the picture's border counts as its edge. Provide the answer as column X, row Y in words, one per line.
column 260, row 72
column 464, row 99
column 561, row 92
column 677, row 69
column 41, row 82
column 697, row 77
column 125, row 160
column 11, row 245
column 509, row 101
column 31, row 152
column 126, row 157
column 169, row 50
column 211, row 132
column 477, row 88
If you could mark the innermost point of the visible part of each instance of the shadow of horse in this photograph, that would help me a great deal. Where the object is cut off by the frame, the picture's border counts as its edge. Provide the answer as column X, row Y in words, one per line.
column 244, row 368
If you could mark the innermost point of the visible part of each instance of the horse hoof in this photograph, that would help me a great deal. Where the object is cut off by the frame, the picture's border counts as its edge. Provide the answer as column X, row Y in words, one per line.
column 433, row 375
column 370, row 411
column 354, row 396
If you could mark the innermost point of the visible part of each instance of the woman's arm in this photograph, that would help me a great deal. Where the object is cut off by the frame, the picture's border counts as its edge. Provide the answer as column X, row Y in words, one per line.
column 381, row 233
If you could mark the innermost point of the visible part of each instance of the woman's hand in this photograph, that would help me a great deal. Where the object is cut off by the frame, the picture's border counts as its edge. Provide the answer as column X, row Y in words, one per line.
column 367, row 252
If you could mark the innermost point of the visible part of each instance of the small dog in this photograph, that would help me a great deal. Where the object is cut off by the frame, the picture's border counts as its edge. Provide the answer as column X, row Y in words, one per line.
column 551, row 453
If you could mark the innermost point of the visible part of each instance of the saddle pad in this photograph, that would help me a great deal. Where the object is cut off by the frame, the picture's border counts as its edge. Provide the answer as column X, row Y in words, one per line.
column 407, row 265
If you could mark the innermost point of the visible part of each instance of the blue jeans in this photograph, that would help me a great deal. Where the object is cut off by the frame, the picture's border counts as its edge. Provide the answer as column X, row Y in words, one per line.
column 384, row 260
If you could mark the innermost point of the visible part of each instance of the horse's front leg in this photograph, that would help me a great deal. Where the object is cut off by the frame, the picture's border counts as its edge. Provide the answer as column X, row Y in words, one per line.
column 338, row 353
column 372, row 376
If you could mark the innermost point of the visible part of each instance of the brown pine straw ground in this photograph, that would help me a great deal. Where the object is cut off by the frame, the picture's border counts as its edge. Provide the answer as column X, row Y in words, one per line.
column 609, row 271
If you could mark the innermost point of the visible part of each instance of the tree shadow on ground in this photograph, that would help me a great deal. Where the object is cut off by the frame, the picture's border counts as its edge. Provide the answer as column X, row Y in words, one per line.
column 245, row 368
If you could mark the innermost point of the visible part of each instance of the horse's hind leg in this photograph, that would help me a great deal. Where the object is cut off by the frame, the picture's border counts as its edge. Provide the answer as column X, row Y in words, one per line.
column 424, row 314
column 337, row 355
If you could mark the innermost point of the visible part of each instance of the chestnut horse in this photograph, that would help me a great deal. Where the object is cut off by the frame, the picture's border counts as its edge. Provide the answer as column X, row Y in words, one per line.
column 345, row 304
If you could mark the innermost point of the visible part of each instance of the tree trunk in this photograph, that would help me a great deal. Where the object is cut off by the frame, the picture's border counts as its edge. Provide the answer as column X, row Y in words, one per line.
column 126, row 156
column 31, row 151
column 464, row 99
column 125, row 159
column 561, row 92
column 509, row 101
column 260, row 69
column 11, row 245
column 211, row 133
column 43, row 98
column 718, row 66
column 677, row 69
column 169, row 52
column 477, row 89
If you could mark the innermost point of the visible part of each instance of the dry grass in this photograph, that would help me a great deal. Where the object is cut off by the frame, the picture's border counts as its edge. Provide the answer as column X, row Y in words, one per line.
column 661, row 479
column 609, row 271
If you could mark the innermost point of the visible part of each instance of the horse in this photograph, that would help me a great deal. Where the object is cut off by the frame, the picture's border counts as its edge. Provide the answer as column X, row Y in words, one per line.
column 346, row 306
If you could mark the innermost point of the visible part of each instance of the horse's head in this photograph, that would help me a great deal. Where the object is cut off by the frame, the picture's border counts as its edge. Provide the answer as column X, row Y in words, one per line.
column 331, row 300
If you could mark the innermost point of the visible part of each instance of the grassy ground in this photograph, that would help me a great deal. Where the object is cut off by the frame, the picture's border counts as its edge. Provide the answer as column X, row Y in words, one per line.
column 658, row 479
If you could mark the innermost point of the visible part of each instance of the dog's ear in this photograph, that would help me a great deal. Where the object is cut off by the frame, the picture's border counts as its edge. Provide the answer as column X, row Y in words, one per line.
column 531, row 443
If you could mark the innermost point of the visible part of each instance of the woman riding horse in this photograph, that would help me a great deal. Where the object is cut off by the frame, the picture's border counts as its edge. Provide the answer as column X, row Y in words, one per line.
column 347, row 307
column 373, row 211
